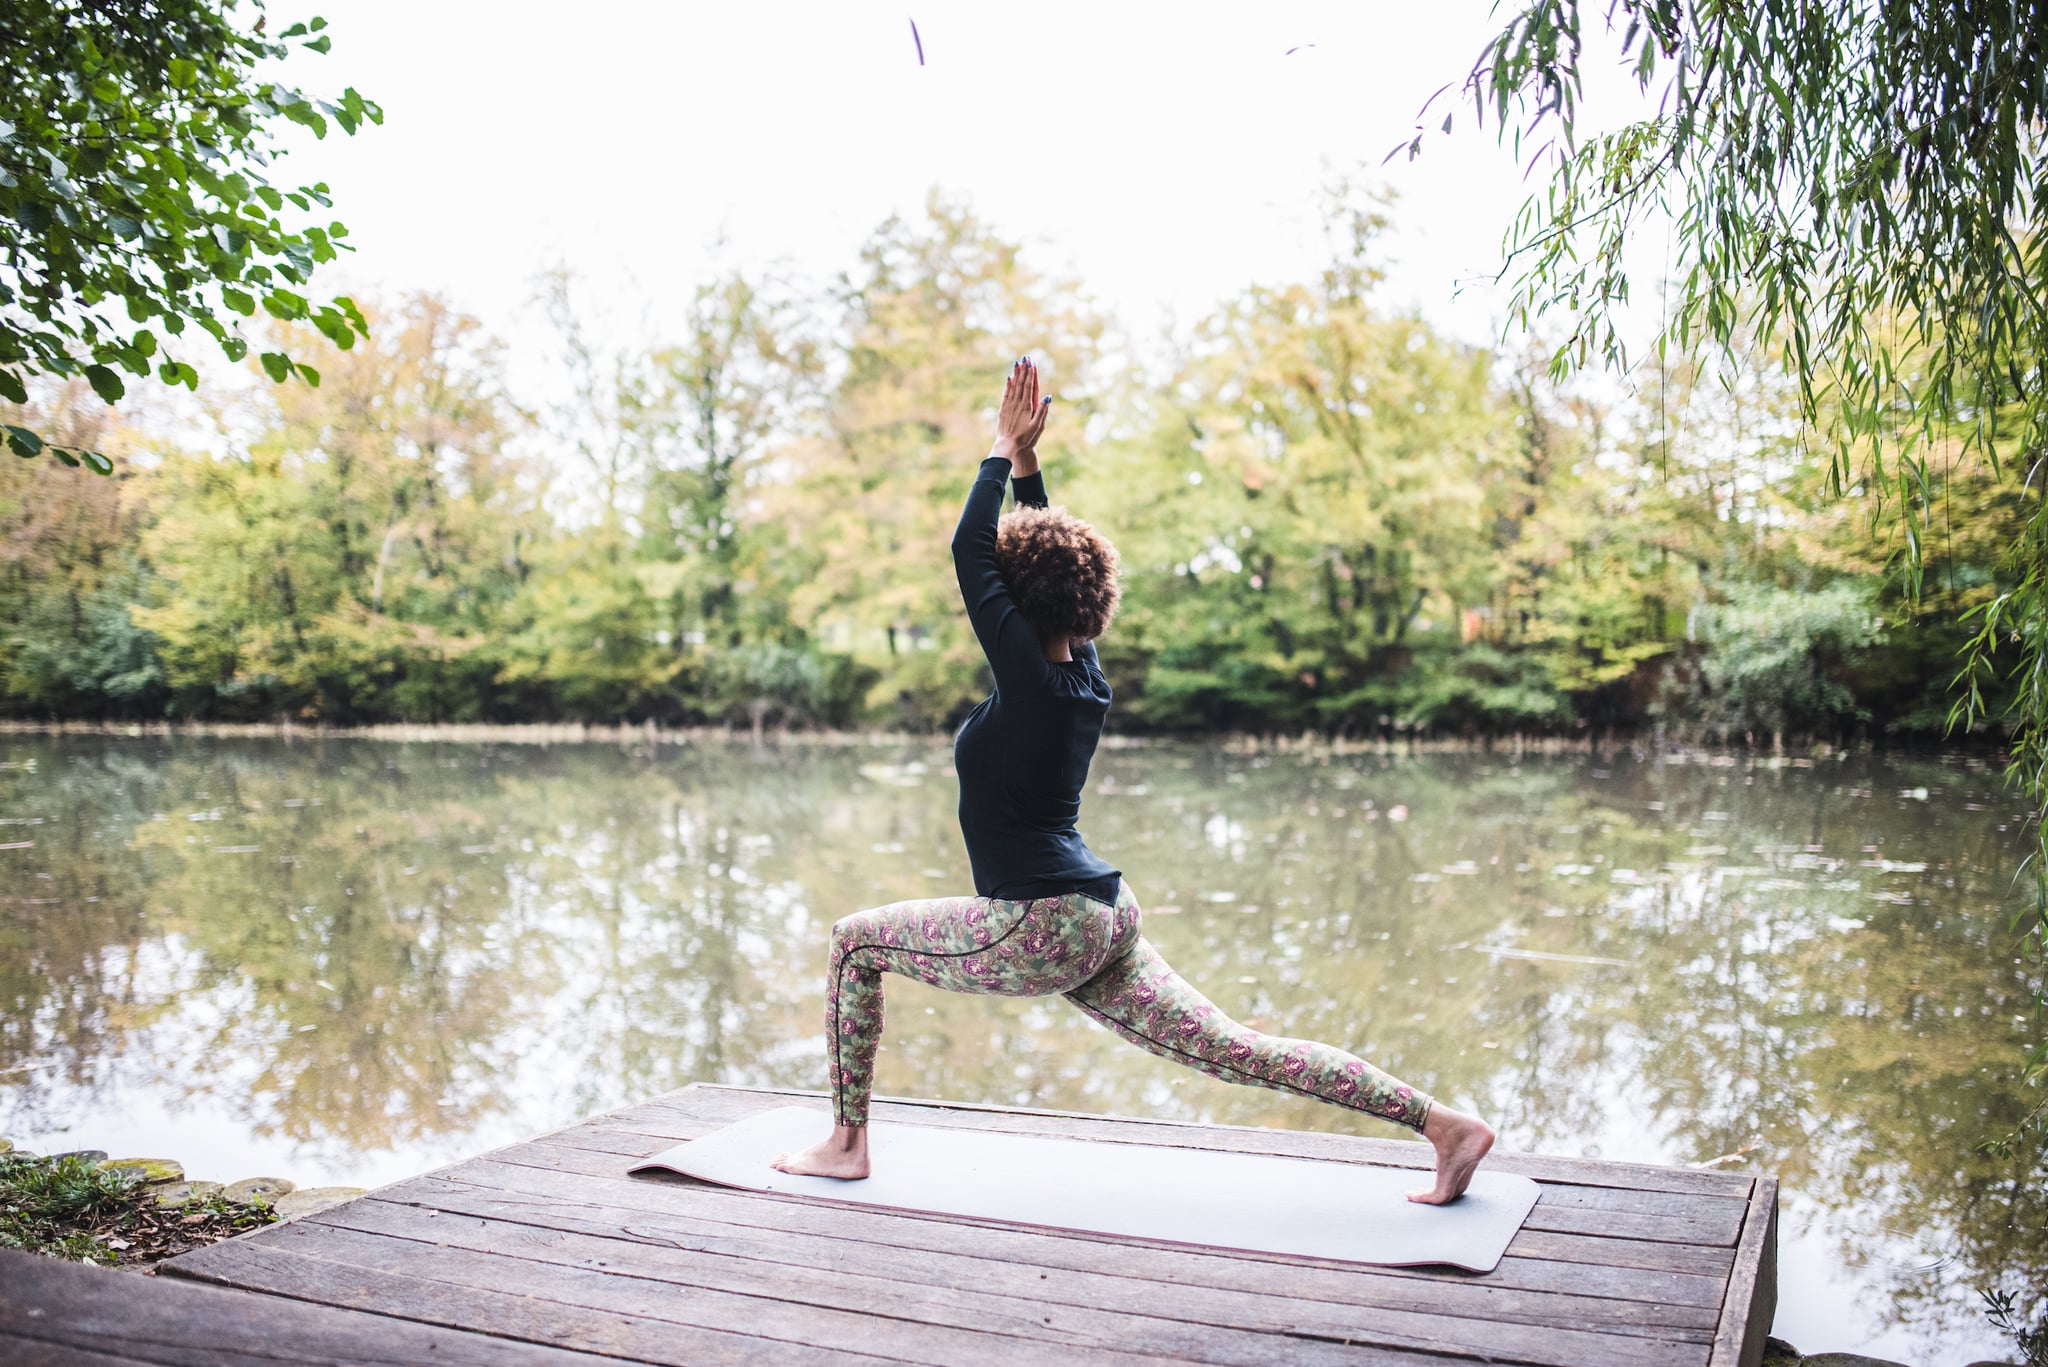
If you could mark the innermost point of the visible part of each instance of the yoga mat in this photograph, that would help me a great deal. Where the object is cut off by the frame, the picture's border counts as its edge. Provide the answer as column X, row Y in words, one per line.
column 1256, row 1202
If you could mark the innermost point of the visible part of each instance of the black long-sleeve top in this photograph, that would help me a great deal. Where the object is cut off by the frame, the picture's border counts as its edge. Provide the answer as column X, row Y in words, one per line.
column 1022, row 755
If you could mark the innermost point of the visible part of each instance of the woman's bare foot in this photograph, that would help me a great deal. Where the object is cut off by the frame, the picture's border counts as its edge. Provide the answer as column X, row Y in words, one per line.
column 844, row 1155
column 1460, row 1141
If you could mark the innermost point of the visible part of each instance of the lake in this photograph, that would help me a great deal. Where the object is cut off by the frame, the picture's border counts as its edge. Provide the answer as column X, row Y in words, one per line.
column 349, row 961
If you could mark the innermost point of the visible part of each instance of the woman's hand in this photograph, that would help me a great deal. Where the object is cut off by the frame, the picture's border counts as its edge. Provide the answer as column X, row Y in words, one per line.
column 1021, row 419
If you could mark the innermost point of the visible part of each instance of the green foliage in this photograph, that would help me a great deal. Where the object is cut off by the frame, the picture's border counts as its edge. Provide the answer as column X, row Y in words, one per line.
column 790, row 685
column 2007, row 1316
column 69, row 1206
column 48, row 1204
column 1781, row 660
column 135, row 199
column 1330, row 518
column 928, row 322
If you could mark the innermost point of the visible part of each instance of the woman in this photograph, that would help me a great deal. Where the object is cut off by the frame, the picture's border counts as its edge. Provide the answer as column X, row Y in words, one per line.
column 1049, row 915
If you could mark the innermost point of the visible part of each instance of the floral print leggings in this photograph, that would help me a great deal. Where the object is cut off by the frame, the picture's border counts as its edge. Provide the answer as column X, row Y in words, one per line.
column 1094, row 956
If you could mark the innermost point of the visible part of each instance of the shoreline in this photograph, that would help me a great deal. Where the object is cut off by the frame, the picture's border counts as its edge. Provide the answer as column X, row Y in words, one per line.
column 1514, row 746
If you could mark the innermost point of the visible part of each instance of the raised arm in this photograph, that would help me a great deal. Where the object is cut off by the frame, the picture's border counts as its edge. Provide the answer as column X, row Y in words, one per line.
column 1012, row 647
column 1030, row 491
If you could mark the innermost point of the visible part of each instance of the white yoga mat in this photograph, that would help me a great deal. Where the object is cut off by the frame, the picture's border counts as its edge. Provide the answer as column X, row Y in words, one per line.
column 1255, row 1202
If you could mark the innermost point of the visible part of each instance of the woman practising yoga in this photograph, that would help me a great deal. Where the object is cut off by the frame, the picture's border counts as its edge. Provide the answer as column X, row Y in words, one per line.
column 1050, row 916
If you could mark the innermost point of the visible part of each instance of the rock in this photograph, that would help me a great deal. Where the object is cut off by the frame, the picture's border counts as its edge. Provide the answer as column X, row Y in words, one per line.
column 148, row 1170
column 89, row 1155
column 173, row 1194
column 1778, row 1353
column 252, row 1191
column 1846, row 1360
column 6, row 1145
column 305, row 1202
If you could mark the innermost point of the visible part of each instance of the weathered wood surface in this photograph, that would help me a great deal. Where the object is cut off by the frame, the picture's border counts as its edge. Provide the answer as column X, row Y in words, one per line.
column 65, row 1313
column 550, row 1243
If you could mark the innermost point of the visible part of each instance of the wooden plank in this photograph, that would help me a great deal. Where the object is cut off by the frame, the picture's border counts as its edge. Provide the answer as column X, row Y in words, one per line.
column 1604, row 1251
column 379, row 1230
column 1098, row 1253
column 1753, row 1286
column 504, row 1305
column 550, row 1245
column 70, row 1312
column 1261, row 1297
column 606, row 1279
column 523, row 1187
column 693, row 1111
column 21, row 1348
column 1661, row 1204
column 1718, row 1232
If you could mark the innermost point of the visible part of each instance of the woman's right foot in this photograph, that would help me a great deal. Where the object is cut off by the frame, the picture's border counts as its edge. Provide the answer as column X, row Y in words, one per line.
column 1460, row 1141
column 842, row 1154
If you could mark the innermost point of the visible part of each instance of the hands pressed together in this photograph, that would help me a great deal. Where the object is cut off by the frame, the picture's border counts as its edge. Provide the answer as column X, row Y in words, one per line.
column 1021, row 418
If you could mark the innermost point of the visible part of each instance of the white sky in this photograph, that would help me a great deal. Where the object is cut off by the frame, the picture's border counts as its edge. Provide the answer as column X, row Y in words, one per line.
column 1167, row 155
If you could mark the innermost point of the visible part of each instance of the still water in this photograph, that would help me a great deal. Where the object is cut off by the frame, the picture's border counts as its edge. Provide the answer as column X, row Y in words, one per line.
column 346, row 962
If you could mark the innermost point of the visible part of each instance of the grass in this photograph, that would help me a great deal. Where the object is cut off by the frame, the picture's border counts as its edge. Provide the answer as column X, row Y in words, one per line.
column 70, row 1207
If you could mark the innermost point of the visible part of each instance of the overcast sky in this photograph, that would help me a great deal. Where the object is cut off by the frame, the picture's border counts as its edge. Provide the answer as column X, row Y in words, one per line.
column 1167, row 155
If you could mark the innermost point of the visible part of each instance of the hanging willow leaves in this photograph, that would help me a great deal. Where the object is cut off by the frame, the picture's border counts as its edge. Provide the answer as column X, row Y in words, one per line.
column 1859, row 183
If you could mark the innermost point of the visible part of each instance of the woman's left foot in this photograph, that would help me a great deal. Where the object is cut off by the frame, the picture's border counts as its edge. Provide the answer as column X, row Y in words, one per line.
column 843, row 1155
column 1460, row 1141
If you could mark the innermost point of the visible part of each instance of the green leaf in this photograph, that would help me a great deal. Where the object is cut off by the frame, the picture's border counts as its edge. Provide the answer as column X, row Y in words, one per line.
column 105, row 383
column 11, row 387
column 184, row 71
column 23, row 442
column 241, row 301
column 97, row 462
column 320, row 44
column 276, row 365
column 61, row 454
column 307, row 373
column 106, row 89
column 285, row 305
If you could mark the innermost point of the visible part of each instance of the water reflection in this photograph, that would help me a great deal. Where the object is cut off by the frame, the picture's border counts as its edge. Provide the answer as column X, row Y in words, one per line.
column 389, row 956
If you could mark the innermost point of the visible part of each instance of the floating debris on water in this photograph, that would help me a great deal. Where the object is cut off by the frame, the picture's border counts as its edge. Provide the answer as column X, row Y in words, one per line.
column 1544, row 956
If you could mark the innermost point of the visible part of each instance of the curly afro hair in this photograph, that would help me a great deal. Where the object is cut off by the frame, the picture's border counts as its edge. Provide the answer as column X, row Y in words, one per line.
column 1061, row 572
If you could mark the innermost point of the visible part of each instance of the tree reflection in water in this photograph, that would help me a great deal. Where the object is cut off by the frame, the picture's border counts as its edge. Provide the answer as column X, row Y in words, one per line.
column 1801, row 969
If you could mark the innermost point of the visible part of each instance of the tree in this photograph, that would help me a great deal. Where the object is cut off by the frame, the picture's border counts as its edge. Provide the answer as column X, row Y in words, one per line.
column 746, row 373
column 1866, row 183
column 361, row 558
column 1305, row 517
column 70, row 566
column 936, row 312
column 135, row 140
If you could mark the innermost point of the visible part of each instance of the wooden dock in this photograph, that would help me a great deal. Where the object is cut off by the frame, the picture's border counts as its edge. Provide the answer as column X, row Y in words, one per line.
column 548, row 1251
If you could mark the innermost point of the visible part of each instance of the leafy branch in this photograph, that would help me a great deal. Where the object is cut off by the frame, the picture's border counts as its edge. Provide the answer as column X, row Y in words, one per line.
column 135, row 200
